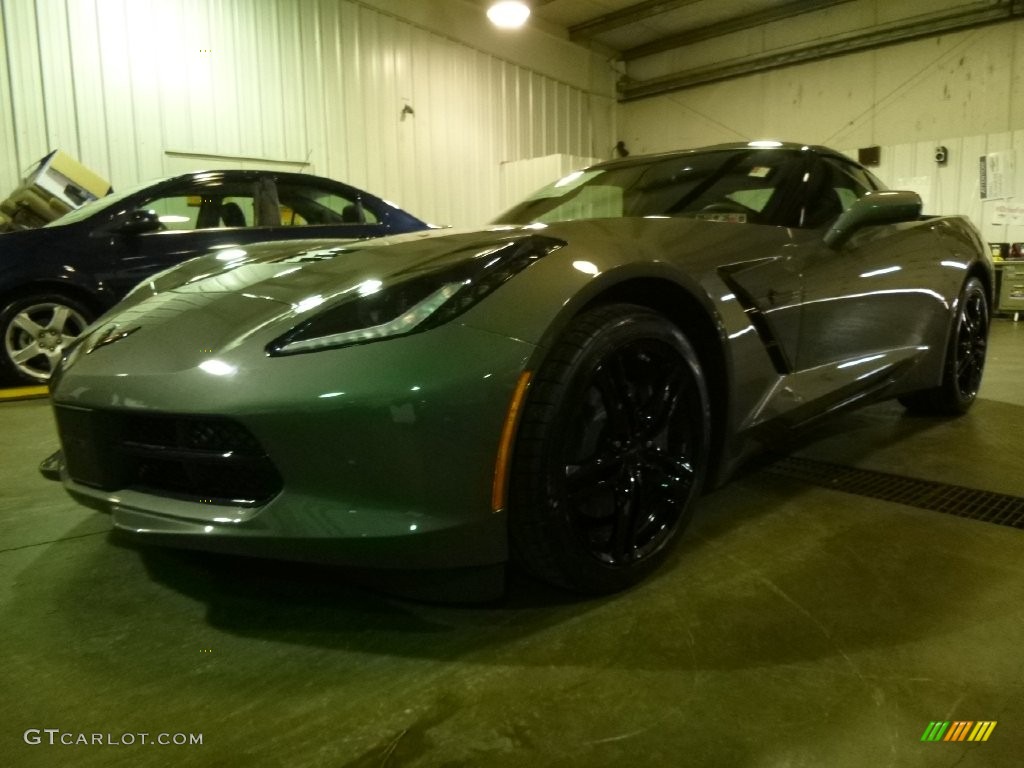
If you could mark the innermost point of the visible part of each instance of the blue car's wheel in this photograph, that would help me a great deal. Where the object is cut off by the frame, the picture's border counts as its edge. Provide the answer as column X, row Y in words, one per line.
column 965, row 358
column 611, row 453
column 35, row 330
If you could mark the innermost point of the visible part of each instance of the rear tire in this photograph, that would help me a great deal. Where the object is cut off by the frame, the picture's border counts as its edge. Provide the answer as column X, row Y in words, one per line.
column 965, row 358
column 611, row 452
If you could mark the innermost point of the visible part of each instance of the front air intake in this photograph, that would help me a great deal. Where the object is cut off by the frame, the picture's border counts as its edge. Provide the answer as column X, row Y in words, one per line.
column 211, row 460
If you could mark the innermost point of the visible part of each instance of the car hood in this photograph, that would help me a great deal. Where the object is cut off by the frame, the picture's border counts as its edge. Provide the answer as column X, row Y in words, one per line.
column 292, row 272
column 216, row 303
column 249, row 298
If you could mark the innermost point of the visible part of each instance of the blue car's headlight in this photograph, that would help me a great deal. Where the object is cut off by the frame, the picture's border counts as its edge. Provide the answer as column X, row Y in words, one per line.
column 415, row 300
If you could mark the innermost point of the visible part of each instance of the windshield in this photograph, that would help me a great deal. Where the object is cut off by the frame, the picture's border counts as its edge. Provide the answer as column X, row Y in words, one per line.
column 95, row 206
column 739, row 186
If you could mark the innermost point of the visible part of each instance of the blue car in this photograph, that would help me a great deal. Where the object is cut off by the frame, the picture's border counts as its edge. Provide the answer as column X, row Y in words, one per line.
column 55, row 280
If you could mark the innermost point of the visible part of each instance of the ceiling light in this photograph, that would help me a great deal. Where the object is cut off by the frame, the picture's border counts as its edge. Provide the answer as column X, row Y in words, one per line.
column 508, row 14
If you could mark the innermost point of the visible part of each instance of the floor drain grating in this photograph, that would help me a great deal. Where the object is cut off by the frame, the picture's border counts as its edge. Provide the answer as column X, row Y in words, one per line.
column 986, row 506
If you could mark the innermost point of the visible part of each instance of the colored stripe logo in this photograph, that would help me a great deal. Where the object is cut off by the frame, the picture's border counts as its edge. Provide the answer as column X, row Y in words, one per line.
column 959, row 730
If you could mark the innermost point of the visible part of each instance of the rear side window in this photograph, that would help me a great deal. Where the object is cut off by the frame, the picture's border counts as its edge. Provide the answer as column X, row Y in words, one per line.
column 303, row 205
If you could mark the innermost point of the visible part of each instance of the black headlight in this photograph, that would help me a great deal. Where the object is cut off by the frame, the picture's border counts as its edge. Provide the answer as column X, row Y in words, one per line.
column 415, row 300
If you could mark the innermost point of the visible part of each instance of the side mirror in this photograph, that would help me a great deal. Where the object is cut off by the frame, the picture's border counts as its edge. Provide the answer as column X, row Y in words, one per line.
column 139, row 222
column 872, row 209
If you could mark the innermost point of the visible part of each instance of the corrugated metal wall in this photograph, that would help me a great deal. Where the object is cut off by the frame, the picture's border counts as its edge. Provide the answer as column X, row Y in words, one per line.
column 133, row 88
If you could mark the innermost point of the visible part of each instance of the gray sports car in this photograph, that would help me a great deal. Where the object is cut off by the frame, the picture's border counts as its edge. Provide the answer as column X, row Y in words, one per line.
column 554, row 390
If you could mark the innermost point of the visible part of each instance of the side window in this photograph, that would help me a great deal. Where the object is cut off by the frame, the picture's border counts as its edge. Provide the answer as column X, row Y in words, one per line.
column 849, row 182
column 236, row 211
column 205, row 206
column 834, row 187
column 304, row 205
column 178, row 213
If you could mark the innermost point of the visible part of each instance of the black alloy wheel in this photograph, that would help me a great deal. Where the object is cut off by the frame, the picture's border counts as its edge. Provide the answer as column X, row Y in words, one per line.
column 965, row 358
column 611, row 453
column 971, row 343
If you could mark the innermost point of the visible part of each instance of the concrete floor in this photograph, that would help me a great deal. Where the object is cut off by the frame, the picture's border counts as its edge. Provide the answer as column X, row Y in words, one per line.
column 795, row 626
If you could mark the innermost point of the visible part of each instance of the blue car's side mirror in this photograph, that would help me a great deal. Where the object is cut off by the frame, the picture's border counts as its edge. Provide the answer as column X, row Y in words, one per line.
column 140, row 222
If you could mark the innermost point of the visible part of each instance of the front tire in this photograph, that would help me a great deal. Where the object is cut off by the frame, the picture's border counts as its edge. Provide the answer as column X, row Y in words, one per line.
column 965, row 358
column 35, row 330
column 611, row 453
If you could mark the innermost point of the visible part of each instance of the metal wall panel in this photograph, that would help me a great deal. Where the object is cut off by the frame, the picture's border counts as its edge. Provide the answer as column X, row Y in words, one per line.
column 954, row 188
column 319, row 83
column 960, row 84
column 8, row 151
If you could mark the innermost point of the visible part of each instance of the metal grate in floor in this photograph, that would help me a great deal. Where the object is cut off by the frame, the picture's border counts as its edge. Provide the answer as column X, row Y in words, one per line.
column 986, row 506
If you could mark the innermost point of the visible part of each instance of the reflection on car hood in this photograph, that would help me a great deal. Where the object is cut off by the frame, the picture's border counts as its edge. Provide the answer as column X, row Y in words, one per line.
column 215, row 303
column 292, row 271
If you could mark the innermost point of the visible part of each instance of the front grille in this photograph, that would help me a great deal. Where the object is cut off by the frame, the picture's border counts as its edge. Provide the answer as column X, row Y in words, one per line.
column 213, row 460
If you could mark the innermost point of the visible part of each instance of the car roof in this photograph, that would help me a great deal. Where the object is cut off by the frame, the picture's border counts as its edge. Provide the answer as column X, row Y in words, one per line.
column 632, row 160
column 239, row 174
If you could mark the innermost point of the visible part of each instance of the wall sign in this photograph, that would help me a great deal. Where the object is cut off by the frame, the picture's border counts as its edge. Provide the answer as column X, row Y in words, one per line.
column 996, row 171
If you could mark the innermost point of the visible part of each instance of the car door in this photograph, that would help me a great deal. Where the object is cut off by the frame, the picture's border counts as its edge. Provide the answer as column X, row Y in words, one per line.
column 866, row 303
column 764, row 188
column 196, row 214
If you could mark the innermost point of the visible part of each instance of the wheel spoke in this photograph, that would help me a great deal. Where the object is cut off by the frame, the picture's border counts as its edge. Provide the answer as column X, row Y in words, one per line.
column 60, row 318
column 612, row 383
column 669, row 478
column 27, row 324
column 52, row 358
column 657, row 411
column 624, row 527
column 26, row 353
column 593, row 478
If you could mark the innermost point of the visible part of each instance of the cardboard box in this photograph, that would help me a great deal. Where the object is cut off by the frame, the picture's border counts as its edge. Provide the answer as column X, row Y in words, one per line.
column 63, row 177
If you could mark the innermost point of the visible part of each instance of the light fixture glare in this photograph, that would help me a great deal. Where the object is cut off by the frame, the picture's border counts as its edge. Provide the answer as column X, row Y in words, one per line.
column 508, row 14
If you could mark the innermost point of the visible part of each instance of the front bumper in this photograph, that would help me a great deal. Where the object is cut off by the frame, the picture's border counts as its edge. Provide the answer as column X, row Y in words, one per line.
column 385, row 452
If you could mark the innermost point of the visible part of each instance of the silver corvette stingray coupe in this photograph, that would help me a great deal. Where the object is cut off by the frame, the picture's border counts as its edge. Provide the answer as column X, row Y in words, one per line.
column 552, row 391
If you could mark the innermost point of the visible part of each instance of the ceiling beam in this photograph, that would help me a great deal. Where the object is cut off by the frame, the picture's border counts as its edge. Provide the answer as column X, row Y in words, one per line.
column 737, row 24
column 891, row 34
column 624, row 17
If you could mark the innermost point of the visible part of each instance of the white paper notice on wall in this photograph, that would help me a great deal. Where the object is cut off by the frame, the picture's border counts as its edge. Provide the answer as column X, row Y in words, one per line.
column 920, row 184
column 1007, row 213
column 996, row 171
